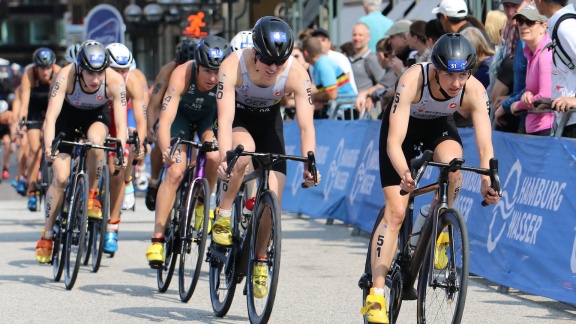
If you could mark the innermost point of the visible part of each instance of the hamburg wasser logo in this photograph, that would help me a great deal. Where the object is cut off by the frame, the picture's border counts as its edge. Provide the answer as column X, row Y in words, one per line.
column 364, row 180
column 518, row 214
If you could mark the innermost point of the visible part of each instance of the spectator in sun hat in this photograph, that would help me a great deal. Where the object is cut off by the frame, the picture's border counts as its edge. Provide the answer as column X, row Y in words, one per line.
column 398, row 35
column 453, row 15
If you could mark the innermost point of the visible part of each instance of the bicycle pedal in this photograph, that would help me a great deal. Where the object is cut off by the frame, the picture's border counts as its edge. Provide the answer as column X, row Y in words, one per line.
column 156, row 265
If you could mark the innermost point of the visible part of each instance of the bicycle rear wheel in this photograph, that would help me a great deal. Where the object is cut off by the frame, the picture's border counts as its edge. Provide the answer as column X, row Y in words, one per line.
column 76, row 230
column 263, row 271
column 222, row 272
column 443, row 283
column 99, row 226
column 194, row 235
column 171, row 248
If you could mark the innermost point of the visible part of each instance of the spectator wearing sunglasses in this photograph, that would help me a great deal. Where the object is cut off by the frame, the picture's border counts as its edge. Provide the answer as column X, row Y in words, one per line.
column 533, row 32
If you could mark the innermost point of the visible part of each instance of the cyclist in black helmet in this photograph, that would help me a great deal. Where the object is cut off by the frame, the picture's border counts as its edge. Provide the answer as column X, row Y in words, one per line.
column 79, row 100
column 251, row 85
column 35, row 86
column 427, row 95
column 186, row 104
column 184, row 53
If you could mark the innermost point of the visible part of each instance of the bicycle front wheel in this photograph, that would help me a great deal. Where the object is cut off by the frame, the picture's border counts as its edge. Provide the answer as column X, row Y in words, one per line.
column 264, row 265
column 443, row 278
column 76, row 230
column 194, row 235
column 58, row 250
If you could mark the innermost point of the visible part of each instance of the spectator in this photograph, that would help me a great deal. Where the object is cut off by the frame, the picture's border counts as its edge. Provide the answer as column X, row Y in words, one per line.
column 303, row 34
column 398, row 35
column 485, row 55
column 384, row 90
column 564, row 80
column 347, row 49
column 484, row 52
column 341, row 59
column 509, row 67
column 329, row 78
column 495, row 23
column 453, row 16
column 417, row 42
column 288, row 100
column 533, row 32
column 377, row 23
column 367, row 71
column 433, row 30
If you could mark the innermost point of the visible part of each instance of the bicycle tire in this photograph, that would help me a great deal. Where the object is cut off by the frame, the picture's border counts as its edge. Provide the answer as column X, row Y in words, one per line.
column 166, row 271
column 260, row 309
column 444, row 300
column 193, row 239
column 76, row 230
column 99, row 226
column 223, row 274
column 394, row 283
column 58, row 252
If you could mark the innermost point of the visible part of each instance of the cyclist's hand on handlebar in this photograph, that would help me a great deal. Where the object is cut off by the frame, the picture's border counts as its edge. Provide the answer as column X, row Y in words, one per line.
column 309, row 179
column 48, row 154
column 135, row 154
column 222, row 171
column 489, row 194
column 167, row 160
column 407, row 183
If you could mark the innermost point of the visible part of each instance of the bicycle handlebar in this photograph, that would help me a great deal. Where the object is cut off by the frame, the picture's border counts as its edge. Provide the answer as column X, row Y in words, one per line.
column 59, row 140
column 418, row 166
column 232, row 157
column 134, row 140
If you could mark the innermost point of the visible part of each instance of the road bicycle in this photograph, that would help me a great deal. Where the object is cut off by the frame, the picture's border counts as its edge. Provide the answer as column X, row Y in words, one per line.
column 45, row 172
column 230, row 264
column 184, row 235
column 71, row 226
column 440, row 259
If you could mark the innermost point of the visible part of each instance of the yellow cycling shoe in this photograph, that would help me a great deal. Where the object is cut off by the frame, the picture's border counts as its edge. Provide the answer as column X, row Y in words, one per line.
column 155, row 255
column 375, row 315
column 199, row 210
column 441, row 253
column 221, row 232
column 260, row 281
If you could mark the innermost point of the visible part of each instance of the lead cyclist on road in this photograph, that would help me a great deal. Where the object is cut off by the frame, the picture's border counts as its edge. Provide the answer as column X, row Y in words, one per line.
column 427, row 95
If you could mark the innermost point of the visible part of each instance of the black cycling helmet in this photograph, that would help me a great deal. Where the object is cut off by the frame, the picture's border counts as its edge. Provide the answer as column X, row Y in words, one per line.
column 211, row 51
column 273, row 39
column 93, row 56
column 185, row 50
column 453, row 53
column 44, row 57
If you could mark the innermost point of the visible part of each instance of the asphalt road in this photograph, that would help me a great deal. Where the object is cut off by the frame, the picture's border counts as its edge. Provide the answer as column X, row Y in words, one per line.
column 320, row 268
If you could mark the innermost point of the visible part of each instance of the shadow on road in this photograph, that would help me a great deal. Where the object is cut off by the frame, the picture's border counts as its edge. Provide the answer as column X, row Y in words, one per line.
column 157, row 314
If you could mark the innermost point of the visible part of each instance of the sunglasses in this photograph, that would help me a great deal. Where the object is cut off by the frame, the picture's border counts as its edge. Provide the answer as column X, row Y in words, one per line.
column 267, row 61
column 522, row 21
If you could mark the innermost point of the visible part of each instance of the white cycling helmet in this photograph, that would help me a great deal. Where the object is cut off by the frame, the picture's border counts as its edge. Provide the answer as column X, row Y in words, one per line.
column 120, row 56
column 3, row 106
column 72, row 53
column 242, row 40
column 133, row 66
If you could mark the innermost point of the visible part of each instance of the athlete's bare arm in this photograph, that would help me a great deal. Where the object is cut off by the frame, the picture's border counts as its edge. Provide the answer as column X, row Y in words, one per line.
column 229, row 77
column 176, row 87
column 407, row 90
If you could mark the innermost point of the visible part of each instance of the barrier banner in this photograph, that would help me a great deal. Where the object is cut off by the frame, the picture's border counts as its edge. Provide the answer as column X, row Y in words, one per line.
column 526, row 241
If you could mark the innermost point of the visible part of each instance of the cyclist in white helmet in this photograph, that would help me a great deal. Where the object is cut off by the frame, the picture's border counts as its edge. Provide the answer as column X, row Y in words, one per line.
column 72, row 53
column 242, row 40
column 121, row 60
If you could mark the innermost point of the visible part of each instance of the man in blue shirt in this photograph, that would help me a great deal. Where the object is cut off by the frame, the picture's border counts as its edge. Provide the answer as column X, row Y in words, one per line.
column 377, row 23
column 330, row 80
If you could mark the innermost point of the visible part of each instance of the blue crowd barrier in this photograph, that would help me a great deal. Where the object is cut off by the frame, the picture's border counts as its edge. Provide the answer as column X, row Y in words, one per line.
column 526, row 241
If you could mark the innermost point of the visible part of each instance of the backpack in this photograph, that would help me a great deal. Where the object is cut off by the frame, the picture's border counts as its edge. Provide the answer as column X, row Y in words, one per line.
column 557, row 46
